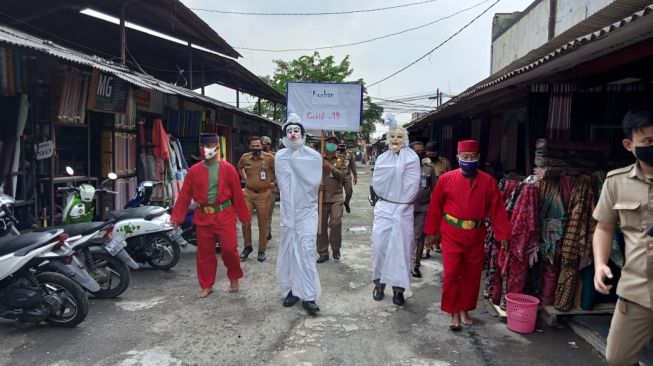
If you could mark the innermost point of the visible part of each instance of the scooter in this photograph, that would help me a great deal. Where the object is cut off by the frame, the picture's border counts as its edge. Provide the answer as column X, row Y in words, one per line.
column 149, row 236
column 33, row 296
column 71, row 268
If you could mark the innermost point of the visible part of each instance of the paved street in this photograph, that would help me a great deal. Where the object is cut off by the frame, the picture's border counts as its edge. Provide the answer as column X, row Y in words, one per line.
column 158, row 321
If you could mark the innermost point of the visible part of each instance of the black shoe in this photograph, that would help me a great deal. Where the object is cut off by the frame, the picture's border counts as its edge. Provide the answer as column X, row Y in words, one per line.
column 246, row 252
column 378, row 294
column 311, row 307
column 269, row 236
column 261, row 256
column 347, row 208
column 218, row 249
column 336, row 256
column 416, row 272
column 323, row 258
column 398, row 298
column 290, row 300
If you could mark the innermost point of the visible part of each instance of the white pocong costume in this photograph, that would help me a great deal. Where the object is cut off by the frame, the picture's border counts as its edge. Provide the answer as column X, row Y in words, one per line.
column 298, row 171
column 396, row 181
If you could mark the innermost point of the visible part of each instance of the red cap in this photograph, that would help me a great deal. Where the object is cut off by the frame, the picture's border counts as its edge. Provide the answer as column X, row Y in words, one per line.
column 332, row 139
column 468, row 146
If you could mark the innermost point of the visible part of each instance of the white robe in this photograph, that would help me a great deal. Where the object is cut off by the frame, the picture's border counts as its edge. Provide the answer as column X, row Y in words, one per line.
column 396, row 178
column 299, row 174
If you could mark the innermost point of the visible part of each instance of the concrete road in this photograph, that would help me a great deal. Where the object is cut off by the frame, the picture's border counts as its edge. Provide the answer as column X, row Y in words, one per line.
column 158, row 321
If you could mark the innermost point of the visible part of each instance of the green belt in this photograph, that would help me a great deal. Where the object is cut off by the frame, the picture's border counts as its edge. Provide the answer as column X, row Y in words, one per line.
column 463, row 224
column 215, row 209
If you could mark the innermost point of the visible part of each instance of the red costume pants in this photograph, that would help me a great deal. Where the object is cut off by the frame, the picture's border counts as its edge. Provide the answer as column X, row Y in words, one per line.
column 462, row 266
column 207, row 261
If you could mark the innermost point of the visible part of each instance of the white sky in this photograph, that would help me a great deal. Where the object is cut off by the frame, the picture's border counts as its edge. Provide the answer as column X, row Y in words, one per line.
column 460, row 63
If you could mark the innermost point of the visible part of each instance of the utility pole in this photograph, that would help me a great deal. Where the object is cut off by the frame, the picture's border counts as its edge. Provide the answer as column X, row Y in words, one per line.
column 437, row 97
column 123, row 36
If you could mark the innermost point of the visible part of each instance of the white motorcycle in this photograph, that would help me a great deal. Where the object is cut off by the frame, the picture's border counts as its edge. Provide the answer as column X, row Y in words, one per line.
column 28, row 295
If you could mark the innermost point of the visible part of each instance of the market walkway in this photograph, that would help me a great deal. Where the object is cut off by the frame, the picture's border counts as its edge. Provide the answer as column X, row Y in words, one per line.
column 158, row 321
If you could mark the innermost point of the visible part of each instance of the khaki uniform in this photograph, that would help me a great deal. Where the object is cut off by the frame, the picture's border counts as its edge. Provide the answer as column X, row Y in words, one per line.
column 332, row 204
column 627, row 199
column 440, row 165
column 351, row 171
column 426, row 185
column 259, row 179
column 273, row 199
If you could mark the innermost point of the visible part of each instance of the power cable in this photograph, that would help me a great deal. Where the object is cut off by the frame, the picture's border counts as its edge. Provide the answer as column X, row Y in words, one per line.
column 367, row 40
column 317, row 13
column 436, row 47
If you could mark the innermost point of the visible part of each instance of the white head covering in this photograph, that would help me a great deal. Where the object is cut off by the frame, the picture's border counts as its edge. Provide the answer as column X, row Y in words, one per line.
column 293, row 119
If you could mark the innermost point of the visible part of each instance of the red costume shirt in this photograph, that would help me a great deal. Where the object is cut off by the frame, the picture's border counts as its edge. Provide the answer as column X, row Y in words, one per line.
column 196, row 187
column 467, row 199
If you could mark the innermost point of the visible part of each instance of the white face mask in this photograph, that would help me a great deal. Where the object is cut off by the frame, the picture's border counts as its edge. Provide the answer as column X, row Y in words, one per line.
column 209, row 152
column 293, row 138
column 396, row 140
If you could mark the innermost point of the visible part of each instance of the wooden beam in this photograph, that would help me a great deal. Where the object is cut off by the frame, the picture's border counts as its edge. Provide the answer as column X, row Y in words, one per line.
column 190, row 66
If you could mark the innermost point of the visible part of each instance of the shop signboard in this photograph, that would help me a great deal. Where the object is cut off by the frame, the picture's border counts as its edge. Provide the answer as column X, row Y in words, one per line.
column 327, row 106
column 44, row 150
column 142, row 98
column 107, row 93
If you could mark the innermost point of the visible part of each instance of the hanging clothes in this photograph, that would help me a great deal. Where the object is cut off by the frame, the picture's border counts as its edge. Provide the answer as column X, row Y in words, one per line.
column 551, row 223
column 577, row 234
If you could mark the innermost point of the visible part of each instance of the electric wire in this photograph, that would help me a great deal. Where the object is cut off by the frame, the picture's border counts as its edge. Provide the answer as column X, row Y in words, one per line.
column 367, row 40
column 435, row 48
column 316, row 13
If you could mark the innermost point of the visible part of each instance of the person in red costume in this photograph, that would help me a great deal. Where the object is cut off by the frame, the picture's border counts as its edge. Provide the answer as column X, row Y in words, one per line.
column 460, row 203
column 215, row 185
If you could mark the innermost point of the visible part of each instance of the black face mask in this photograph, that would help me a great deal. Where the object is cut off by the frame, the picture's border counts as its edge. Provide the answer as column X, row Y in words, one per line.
column 644, row 154
column 255, row 152
column 432, row 155
column 420, row 155
column 342, row 149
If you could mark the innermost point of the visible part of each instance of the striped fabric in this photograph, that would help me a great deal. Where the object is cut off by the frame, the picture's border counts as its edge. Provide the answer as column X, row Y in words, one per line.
column 559, row 122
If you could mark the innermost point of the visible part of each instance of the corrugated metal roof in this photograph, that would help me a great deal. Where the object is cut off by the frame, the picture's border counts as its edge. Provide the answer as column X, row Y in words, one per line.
column 557, row 53
column 18, row 38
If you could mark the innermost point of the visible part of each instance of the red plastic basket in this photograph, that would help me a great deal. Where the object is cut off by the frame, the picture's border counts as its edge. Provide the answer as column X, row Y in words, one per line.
column 522, row 312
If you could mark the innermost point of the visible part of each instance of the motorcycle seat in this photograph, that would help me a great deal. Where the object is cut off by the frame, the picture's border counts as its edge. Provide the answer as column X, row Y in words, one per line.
column 24, row 243
column 84, row 228
column 146, row 212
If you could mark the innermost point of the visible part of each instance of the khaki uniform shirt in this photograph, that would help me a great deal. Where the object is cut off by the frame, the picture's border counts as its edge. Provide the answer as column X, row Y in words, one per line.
column 350, row 162
column 426, row 184
column 627, row 198
column 259, row 171
column 332, row 180
column 441, row 165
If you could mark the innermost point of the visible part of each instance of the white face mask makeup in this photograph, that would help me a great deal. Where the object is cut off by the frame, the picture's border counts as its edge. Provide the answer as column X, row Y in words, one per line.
column 293, row 138
column 210, row 152
column 396, row 140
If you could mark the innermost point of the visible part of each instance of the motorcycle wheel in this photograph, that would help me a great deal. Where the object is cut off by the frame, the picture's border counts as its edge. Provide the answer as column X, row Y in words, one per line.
column 112, row 275
column 74, row 303
column 166, row 252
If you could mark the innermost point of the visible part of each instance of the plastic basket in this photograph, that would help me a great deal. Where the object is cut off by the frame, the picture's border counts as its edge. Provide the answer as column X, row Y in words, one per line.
column 522, row 312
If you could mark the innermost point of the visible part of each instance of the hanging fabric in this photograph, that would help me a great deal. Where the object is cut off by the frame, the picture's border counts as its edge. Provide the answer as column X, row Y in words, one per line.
column 559, row 121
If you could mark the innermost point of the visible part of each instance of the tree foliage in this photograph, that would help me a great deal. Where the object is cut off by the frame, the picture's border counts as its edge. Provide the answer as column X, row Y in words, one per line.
column 317, row 68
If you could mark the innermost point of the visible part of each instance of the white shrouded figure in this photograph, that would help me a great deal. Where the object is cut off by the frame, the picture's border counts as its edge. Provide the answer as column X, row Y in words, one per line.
column 395, row 181
column 298, row 170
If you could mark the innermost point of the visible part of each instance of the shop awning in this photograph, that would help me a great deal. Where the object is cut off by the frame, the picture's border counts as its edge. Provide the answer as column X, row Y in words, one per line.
column 634, row 29
column 169, row 17
column 20, row 39
column 164, row 59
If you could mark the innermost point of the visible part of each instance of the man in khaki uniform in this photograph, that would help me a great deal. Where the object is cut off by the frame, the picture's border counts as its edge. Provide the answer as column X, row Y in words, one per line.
column 334, row 170
column 427, row 183
column 257, row 169
column 627, row 199
column 350, row 162
column 267, row 147
column 440, row 166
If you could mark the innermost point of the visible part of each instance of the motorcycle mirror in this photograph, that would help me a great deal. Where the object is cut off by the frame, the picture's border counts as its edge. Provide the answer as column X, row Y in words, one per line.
column 70, row 171
column 112, row 176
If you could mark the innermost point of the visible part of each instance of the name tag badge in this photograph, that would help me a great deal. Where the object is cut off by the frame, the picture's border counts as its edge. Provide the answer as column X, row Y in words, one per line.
column 423, row 182
column 262, row 174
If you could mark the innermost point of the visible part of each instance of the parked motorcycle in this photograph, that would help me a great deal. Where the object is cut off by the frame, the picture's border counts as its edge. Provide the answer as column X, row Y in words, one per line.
column 33, row 296
column 147, row 231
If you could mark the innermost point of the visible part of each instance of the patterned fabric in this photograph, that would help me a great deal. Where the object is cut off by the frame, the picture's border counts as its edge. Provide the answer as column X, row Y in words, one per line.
column 575, row 241
column 551, row 218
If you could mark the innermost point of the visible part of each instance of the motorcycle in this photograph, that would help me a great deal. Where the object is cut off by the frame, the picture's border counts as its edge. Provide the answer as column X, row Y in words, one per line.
column 27, row 295
column 105, row 261
column 54, row 260
column 147, row 232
